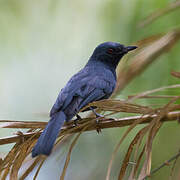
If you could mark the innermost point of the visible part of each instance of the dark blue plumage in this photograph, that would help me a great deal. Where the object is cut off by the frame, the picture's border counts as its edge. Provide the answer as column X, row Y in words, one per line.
column 94, row 82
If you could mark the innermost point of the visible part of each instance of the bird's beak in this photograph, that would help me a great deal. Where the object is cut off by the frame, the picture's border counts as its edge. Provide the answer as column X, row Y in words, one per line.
column 129, row 48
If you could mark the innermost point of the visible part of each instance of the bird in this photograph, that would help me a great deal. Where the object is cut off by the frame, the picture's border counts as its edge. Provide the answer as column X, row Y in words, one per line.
column 94, row 82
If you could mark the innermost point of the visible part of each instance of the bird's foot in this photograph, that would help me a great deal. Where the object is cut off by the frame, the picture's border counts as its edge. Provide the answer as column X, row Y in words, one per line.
column 98, row 116
column 78, row 117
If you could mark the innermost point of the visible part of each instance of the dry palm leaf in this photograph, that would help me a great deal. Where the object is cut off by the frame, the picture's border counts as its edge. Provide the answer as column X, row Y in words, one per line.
column 160, row 12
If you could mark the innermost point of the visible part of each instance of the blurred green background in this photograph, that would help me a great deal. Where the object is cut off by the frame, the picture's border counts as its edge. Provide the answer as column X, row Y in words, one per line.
column 43, row 43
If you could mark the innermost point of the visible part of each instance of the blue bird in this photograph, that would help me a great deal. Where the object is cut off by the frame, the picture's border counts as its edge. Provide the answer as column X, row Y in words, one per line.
column 96, row 81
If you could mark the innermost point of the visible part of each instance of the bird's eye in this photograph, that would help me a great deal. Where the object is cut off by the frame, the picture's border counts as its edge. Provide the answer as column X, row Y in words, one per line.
column 110, row 50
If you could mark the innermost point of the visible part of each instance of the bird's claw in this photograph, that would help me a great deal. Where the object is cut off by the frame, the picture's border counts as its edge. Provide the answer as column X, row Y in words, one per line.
column 98, row 129
column 98, row 115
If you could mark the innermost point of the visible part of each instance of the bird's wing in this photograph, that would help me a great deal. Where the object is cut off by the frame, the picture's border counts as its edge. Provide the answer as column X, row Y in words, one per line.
column 95, row 95
column 82, row 90
column 95, row 89
column 67, row 93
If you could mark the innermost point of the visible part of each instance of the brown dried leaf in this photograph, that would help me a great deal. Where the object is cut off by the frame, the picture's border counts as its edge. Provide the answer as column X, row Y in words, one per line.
column 145, row 57
column 121, row 106
column 69, row 154
column 175, row 74
column 140, row 120
column 137, row 162
column 153, row 129
column 86, row 124
column 155, row 96
column 134, row 170
column 140, row 95
column 129, row 152
column 17, row 138
column 105, row 123
column 145, row 171
column 148, row 40
column 8, row 161
column 24, row 125
column 22, row 154
column 30, row 168
column 159, row 13
column 37, row 172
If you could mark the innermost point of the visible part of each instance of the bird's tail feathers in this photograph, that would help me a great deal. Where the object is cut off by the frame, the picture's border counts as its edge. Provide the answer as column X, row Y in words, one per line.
column 48, row 137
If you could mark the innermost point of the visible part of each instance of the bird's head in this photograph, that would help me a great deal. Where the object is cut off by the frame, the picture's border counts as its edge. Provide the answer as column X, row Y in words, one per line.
column 111, row 52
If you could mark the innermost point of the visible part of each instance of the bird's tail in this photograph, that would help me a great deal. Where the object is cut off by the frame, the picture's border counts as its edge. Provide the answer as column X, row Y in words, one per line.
column 48, row 137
